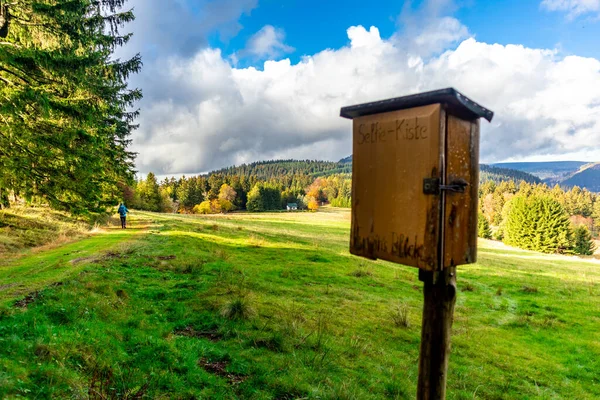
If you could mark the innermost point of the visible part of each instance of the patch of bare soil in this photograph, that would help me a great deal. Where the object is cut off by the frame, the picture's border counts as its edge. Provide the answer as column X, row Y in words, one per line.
column 111, row 255
column 82, row 259
column 27, row 300
column 218, row 368
column 171, row 257
column 33, row 296
column 188, row 331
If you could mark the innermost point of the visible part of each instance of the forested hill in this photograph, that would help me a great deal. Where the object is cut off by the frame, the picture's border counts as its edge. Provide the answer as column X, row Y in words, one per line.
column 496, row 174
column 487, row 173
column 266, row 170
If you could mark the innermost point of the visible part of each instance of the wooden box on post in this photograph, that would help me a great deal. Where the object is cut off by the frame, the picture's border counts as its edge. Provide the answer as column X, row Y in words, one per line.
column 415, row 179
column 415, row 183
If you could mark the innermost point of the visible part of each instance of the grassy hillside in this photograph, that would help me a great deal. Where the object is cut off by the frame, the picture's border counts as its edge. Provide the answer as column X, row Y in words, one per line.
column 263, row 306
column 26, row 227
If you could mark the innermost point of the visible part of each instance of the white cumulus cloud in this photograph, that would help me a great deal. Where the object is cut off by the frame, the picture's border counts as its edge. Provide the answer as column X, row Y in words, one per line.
column 268, row 42
column 204, row 113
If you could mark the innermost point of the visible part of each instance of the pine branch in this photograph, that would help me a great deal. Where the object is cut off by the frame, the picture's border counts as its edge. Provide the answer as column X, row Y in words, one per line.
column 15, row 74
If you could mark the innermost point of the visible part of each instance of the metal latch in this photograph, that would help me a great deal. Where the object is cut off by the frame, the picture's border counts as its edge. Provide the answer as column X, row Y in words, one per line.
column 433, row 186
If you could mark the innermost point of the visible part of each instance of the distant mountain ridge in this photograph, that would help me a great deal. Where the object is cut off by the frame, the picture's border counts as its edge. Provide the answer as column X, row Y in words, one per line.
column 587, row 176
column 564, row 173
column 550, row 172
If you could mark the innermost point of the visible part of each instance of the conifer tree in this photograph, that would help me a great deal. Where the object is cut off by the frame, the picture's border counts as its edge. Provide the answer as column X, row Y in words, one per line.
column 256, row 201
column 65, row 108
column 596, row 213
column 484, row 230
column 264, row 197
column 583, row 241
column 537, row 223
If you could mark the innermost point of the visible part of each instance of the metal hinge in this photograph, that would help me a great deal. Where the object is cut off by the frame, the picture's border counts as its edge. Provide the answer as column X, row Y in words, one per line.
column 433, row 186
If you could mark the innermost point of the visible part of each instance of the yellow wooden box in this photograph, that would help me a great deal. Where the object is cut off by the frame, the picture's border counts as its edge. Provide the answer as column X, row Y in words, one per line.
column 415, row 179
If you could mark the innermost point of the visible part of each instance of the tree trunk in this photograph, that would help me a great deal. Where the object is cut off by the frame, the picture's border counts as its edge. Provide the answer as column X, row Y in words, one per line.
column 4, row 20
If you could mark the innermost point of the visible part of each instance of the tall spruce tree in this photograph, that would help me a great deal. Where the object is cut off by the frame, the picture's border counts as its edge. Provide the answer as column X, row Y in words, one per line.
column 584, row 244
column 65, row 116
column 537, row 223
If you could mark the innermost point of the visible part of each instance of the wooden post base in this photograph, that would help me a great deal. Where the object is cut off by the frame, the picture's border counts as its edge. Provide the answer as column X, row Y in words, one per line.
column 438, row 311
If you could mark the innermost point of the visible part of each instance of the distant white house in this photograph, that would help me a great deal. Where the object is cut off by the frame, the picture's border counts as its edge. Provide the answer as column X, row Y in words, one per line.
column 292, row 206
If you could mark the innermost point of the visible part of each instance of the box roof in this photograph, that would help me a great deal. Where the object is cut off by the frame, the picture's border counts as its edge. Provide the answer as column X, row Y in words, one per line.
column 455, row 102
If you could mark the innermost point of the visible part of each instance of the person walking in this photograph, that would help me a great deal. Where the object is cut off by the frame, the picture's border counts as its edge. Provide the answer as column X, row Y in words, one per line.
column 123, row 213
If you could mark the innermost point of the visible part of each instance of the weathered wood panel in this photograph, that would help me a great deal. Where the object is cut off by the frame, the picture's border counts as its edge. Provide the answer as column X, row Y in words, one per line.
column 462, row 165
column 439, row 298
column 392, row 218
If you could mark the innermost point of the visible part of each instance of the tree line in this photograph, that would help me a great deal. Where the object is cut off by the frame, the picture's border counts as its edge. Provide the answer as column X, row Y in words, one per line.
column 224, row 192
column 537, row 217
column 531, row 216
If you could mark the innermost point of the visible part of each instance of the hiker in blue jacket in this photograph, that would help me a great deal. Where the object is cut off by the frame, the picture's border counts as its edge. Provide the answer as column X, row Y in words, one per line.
column 123, row 213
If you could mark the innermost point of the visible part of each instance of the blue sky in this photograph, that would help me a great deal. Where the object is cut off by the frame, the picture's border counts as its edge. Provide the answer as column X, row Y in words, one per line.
column 312, row 25
column 233, row 81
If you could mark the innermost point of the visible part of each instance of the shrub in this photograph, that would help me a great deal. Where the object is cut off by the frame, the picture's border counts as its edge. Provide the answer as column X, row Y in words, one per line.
column 212, row 207
column 313, row 205
column 344, row 202
column 203, row 208
column 215, row 206
column 225, row 205
column 239, row 308
column 399, row 315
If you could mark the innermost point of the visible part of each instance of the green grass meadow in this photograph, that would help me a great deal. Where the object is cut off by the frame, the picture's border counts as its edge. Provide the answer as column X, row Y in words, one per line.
column 273, row 306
